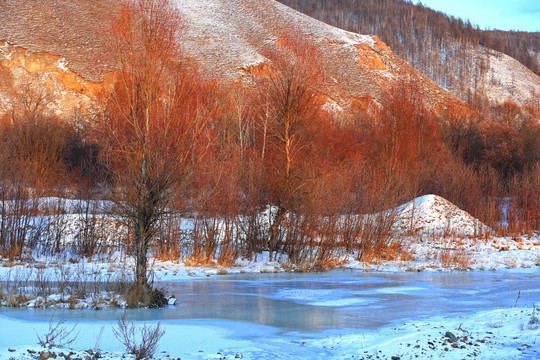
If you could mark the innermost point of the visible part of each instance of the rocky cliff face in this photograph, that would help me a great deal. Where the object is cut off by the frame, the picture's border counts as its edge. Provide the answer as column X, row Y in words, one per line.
column 63, row 46
column 21, row 69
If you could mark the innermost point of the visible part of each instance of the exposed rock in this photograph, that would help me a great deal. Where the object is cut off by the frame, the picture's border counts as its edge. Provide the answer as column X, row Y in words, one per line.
column 47, row 355
column 44, row 73
column 451, row 337
column 369, row 59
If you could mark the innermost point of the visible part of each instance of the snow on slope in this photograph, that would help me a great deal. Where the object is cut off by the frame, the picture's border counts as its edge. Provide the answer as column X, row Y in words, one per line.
column 507, row 79
column 228, row 38
column 245, row 26
column 433, row 215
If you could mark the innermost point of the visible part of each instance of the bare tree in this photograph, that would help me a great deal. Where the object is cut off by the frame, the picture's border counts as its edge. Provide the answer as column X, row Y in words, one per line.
column 154, row 120
column 145, row 347
column 288, row 103
column 58, row 335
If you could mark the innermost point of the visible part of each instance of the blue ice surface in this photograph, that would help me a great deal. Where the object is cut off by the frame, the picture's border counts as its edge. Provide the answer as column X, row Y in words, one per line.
column 274, row 313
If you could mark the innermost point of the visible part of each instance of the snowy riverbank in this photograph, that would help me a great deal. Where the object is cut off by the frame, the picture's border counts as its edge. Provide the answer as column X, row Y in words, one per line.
column 510, row 333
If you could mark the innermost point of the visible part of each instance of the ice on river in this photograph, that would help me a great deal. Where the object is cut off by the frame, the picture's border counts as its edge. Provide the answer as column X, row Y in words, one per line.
column 494, row 315
column 322, row 297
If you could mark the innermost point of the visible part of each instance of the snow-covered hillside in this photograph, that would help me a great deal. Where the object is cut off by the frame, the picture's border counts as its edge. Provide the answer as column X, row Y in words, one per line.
column 248, row 27
column 237, row 38
column 229, row 39
column 507, row 79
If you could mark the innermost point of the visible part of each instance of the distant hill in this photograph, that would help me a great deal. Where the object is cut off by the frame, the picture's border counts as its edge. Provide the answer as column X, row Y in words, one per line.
column 462, row 59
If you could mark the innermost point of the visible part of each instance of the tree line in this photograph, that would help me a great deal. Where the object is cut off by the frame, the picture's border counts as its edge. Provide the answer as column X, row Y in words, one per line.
column 436, row 44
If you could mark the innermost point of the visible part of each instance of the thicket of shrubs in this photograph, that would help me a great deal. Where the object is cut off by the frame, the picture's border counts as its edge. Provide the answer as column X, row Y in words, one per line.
column 250, row 193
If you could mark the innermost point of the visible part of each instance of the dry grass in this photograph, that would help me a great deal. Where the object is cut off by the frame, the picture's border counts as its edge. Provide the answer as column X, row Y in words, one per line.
column 140, row 342
column 534, row 321
column 168, row 256
column 332, row 263
column 392, row 251
column 453, row 258
column 195, row 261
column 227, row 256
column 58, row 335
column 15, row 300
column 323, row 265
column 223, row 271
column 12, row 263
column 406, row 256
column 23, row 287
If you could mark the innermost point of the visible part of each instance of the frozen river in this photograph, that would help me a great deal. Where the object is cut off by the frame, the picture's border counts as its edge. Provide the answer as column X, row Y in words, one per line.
column 275, row 314
column 313, row 302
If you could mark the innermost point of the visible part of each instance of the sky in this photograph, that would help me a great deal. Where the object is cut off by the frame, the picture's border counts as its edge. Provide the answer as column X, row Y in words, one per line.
column 523, row 15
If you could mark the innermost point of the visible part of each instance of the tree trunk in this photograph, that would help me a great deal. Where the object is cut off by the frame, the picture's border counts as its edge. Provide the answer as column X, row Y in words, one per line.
column 141, row 249
column 274, row 232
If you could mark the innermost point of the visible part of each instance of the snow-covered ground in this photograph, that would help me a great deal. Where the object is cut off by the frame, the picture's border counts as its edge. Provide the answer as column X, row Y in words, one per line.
column 496, row 334
column 511, row 336
column 436, row 238
column 433, row 234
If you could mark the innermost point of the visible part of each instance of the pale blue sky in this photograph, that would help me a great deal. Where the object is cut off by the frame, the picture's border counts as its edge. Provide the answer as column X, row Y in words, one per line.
column 495, row 14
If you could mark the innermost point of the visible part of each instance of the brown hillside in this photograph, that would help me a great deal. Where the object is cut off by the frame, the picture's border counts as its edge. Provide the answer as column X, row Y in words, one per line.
column 231, row 39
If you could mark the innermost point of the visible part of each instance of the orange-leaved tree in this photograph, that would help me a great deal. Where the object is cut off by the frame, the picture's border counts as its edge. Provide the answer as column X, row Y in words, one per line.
column 155, row 120
column 288, row 103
